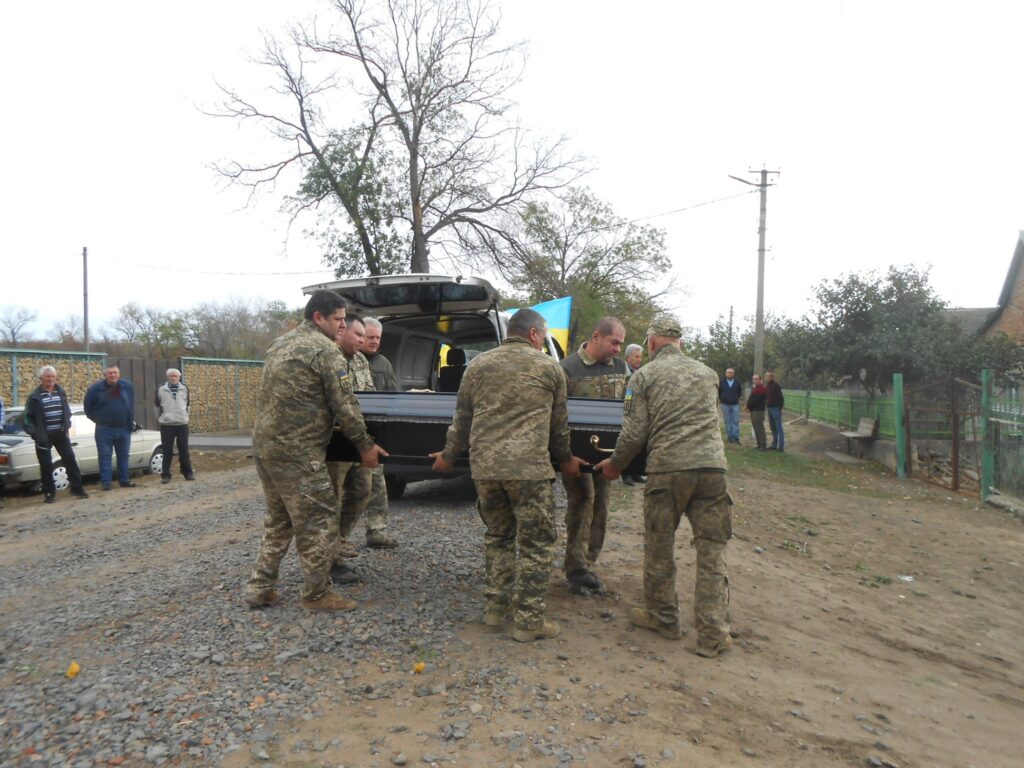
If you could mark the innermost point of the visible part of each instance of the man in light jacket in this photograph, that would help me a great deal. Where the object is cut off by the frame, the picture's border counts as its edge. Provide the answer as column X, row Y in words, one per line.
column 172, row 414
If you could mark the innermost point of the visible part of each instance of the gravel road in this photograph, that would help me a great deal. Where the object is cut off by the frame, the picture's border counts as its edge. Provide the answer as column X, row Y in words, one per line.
column 141, row 587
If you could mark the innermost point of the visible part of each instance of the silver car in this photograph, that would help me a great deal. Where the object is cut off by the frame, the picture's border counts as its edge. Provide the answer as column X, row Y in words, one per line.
column 19, row 466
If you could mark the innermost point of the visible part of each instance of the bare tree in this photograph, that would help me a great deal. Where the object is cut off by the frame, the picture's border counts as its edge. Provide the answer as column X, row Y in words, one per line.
column 435, row 83
column 13, row 321
column 69, row 330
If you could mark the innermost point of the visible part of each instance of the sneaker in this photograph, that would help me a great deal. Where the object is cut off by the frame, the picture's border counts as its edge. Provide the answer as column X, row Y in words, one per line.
column 628, row 480
column 381, row 541
column 712, row 651
column 641, row 618
column 330, row 601
column 261, row 600
column 165, row 480
column 190, row 476
column 106, row 486
column 128, row 484
column 640, row 478
column 545, row 631
column 582, row 578
column 79, row 493
column 49, row 498
column 343, row 573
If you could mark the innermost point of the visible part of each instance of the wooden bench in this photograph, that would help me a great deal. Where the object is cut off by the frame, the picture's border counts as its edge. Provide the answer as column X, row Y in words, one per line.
column 867, row 430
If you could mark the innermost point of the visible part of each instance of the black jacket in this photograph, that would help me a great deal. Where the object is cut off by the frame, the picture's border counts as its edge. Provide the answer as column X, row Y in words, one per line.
column 34, row 419
column 775, row 398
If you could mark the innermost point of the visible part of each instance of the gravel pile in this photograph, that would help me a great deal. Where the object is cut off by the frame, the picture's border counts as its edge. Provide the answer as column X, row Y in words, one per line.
column 142, row 588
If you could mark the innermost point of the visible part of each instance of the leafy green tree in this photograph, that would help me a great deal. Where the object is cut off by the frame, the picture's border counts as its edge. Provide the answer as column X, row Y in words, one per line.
column 866, row 327
column 578, row 246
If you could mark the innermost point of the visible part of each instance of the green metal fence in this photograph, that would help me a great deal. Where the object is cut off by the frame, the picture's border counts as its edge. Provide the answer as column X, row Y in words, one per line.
column 844, row 411
column 75, row 372
column 1005, row 413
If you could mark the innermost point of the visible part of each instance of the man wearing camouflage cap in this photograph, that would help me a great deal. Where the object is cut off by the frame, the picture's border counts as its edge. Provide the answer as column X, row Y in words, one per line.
column 671, row 406
column 305, row 391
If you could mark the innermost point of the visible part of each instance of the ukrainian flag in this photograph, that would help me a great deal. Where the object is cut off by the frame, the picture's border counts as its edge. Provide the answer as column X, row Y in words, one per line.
column 557, row 312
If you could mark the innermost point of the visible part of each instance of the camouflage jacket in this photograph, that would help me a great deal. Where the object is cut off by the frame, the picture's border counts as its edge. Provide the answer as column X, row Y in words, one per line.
column 671, row 406
column 359, row 371
column 511, row 413
column 384, row 379
column 305, row 391
column 587, row 377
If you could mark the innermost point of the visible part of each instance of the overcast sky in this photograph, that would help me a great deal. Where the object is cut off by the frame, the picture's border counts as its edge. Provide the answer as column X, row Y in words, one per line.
column 895, row 125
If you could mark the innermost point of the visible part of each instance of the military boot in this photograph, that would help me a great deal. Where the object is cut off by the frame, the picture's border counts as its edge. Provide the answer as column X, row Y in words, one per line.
column 545, row 631
column 381, row 541
column 711, row 650
column 346, row 548
column 329, row 601
column 494, row 615
column 642, row 618
column 261, row 600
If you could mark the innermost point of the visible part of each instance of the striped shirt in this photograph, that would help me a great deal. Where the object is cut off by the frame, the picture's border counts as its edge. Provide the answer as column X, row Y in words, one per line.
column 53, row 411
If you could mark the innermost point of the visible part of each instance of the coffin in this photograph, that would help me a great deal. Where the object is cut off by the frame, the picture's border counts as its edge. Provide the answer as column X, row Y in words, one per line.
column 410, row 425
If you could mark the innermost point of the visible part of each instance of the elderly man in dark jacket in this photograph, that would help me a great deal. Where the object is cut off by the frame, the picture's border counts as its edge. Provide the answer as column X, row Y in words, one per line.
column 48, row 420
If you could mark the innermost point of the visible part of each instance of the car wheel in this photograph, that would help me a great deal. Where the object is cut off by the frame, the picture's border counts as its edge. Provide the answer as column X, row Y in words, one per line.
column 395, row 486
column 156, row 462
column 60, row 477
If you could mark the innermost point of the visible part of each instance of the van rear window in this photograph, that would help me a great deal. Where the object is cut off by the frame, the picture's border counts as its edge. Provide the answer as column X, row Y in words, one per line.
column 427, row 297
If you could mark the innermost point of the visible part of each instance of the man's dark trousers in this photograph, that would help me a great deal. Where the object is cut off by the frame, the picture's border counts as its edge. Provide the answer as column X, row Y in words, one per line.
column 58, row 440
column 169, row 433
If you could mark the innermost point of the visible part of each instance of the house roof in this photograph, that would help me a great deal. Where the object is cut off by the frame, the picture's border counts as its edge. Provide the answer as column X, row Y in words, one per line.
column 970, row 319
column 1011, row 279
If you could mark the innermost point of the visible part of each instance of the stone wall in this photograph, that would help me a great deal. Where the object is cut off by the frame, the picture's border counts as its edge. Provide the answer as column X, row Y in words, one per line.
column 223, row 393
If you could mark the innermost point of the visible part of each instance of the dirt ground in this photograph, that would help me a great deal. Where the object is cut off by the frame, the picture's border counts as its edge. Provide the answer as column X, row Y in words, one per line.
column 879, row 622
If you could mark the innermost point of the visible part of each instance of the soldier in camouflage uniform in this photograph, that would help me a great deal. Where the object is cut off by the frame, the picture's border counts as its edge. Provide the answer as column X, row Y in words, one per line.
column 305, row 391
column 594, row 370
column 672, row 408
column 511, row 414
column 351, row 480
column 383, row 381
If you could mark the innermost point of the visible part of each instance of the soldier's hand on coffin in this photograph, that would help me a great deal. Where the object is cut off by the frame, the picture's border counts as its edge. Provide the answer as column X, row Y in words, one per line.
column 609, row 470
column 440, row 465
column 571, row 468
column 371, row 458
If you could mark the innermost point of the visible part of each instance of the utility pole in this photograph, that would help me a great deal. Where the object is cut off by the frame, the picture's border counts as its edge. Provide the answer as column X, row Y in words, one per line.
column 85, row 295
column 759, row 317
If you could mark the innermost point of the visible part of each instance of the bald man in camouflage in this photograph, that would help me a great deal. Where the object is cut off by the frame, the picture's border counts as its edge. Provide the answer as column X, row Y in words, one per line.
column 512, row 416
column 671, row 406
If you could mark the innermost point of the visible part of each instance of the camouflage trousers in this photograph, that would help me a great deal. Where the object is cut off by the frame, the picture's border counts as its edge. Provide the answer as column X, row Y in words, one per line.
column 702, row 497
column 300, row 504
column 377, row 506
column 518, row 546
column 586, row 519
column 351, row 483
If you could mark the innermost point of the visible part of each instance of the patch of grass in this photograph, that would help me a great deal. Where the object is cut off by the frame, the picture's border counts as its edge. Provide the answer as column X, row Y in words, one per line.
column 796, row 469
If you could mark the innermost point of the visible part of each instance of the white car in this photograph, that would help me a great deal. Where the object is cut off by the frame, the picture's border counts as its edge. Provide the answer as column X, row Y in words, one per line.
column 20, row 467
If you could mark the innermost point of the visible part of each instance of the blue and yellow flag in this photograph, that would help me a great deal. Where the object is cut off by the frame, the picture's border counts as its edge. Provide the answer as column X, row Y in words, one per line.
column 558, row 313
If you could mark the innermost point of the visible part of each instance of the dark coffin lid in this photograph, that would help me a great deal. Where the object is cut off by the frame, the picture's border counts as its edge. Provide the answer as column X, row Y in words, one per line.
column 407, row 417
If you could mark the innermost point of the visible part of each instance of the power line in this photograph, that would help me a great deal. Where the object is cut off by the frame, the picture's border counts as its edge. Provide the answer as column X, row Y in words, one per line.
column 615, row 225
